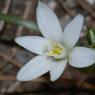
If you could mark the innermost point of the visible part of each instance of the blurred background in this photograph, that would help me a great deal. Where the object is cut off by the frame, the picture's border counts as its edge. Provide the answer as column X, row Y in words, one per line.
column 13, row 57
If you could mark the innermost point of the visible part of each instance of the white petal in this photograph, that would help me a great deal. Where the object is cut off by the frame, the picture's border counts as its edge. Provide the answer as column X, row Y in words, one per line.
column 82, row 57
column 48, row 23
column 57, row 69
column 34, row 68
column 35, row 44
column 91, row 1
column 71, row 33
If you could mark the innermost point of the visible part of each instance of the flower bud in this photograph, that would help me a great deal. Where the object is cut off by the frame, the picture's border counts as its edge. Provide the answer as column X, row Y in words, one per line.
column 91, row 37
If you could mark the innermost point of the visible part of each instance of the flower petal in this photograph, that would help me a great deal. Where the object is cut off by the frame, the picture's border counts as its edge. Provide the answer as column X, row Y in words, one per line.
column 57, row 69
column 48, row 23
column 71, row 33
column 35, row 44
column 34, row 68
column 82, row 57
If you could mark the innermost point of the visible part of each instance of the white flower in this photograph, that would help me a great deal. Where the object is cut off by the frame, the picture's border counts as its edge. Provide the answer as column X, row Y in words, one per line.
column 56, row 48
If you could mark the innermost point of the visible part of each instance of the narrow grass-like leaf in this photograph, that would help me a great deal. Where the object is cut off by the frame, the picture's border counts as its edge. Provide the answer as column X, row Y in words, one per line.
column 19, row 21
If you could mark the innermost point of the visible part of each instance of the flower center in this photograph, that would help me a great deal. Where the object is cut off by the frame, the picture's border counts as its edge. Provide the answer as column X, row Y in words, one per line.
column 55, row 50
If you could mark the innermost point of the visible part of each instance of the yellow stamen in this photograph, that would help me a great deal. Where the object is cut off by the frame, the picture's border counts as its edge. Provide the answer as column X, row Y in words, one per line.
column 56, row 50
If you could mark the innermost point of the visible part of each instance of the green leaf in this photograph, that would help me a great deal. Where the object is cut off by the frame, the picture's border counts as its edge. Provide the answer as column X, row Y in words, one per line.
column 91, row 37
column 19, row 21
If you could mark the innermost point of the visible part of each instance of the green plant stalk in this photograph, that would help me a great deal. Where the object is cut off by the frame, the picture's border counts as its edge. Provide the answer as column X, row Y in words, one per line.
column 19, row 21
